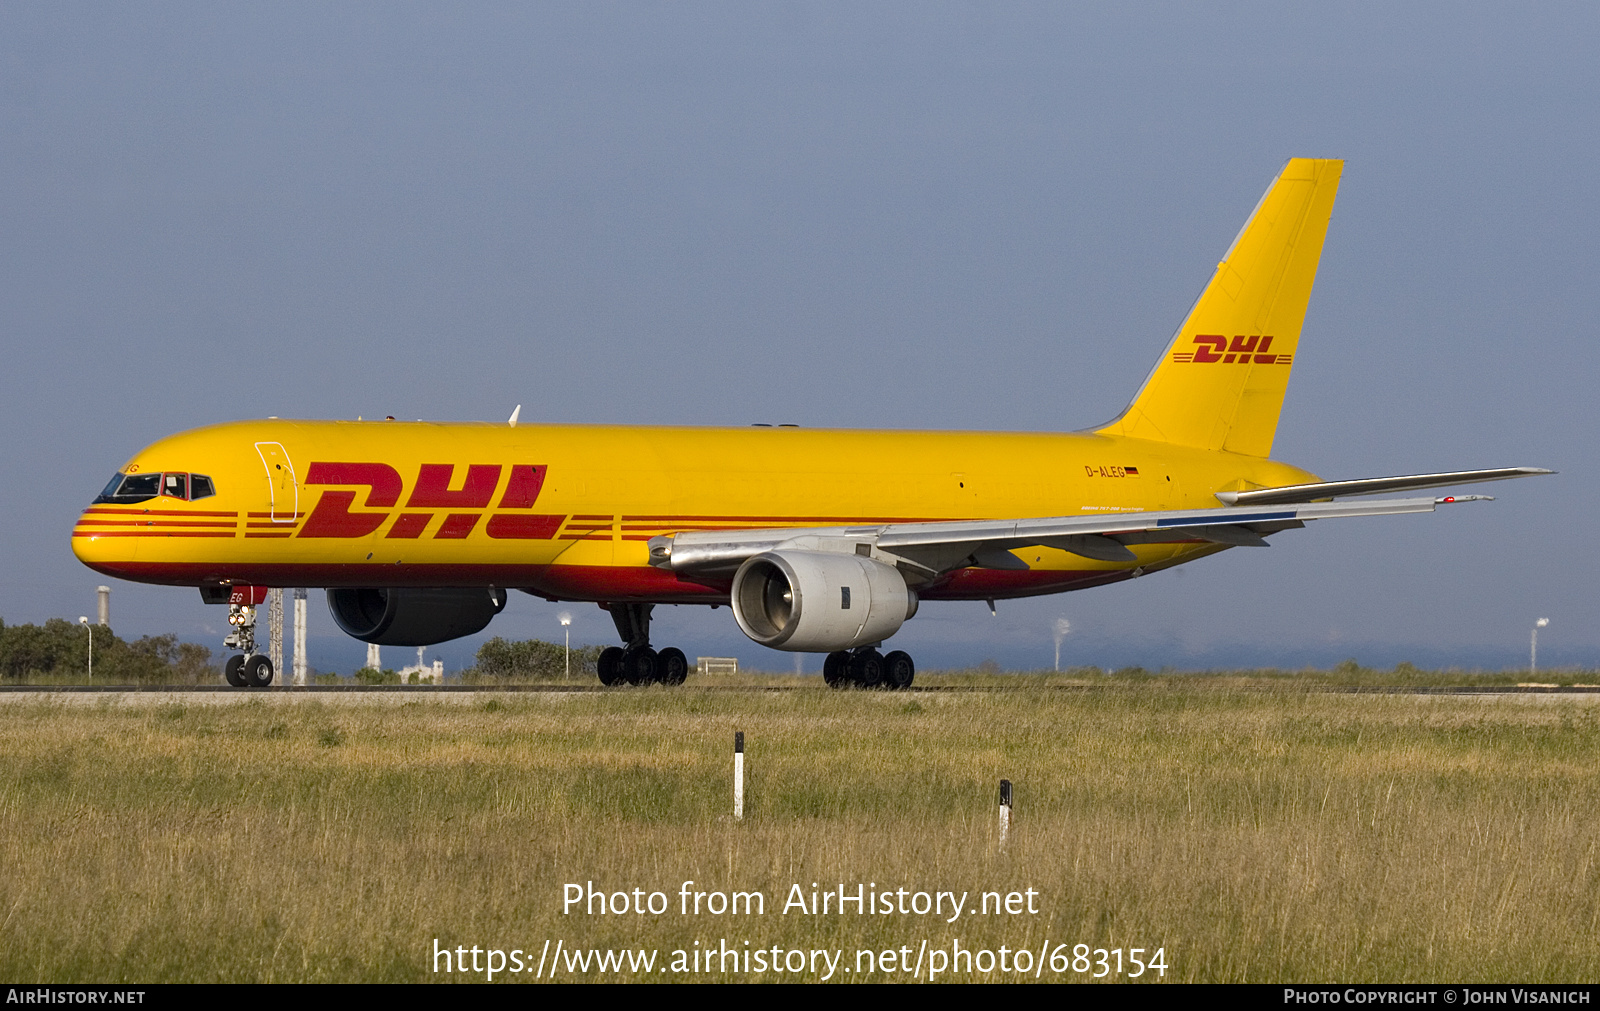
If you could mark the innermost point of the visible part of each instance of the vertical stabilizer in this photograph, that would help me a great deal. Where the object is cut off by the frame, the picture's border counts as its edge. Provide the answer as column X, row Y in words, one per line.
column 1221, row 381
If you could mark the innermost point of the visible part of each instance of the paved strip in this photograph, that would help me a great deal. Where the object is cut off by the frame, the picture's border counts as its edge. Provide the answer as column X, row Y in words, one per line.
column 587, row 689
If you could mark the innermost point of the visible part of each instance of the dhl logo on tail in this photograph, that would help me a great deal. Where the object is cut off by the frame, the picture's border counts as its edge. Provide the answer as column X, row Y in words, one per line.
column 1244, row 350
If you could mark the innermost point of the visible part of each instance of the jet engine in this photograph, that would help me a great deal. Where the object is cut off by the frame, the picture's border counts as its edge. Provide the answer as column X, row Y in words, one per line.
column 414, row 617
column 818, row 602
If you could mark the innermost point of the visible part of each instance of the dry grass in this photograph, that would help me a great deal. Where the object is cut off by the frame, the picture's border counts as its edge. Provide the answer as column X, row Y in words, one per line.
column 1254, row 835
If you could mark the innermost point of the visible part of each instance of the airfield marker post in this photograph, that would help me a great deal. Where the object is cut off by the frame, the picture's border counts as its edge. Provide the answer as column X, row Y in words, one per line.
column 1005, row 812
column 738, row 775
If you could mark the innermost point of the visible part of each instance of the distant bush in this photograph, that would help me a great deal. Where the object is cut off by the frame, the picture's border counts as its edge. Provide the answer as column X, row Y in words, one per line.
column 58, row 650
column 531, row 660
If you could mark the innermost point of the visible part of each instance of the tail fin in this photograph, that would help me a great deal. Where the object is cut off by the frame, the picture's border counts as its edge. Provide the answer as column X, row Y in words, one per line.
column 1221, row 382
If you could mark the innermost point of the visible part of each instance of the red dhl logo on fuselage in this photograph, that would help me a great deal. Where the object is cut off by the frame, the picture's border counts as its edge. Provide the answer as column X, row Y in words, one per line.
column 1242, row 350
column 430, row 495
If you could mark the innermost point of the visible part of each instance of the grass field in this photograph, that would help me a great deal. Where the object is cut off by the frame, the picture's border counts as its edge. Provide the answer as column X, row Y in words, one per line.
column 1253, row 834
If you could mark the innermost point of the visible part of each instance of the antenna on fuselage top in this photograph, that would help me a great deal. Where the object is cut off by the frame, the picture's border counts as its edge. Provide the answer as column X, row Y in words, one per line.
column 513, row 421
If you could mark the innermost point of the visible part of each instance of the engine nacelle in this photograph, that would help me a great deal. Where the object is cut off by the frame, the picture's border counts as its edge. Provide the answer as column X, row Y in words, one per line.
column 414, row 617
column 818, row 601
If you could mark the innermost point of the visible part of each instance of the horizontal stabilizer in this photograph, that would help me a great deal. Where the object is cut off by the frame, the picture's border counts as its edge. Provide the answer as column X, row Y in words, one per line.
column 1370, row 486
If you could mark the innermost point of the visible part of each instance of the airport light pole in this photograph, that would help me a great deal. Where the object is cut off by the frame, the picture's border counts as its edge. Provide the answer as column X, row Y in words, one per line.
column 84, row 621
column 1533, row 646
column 566, row 628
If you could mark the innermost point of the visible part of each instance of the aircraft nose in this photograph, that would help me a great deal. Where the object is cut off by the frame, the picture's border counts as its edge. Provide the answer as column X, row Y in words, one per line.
column 89, row 540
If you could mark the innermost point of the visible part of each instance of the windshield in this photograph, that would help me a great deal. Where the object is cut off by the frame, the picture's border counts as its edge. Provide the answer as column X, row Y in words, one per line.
column 128, row 489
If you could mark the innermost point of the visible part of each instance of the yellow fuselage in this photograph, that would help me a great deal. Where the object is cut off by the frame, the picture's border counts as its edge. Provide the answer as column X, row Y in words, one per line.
column 565, row 511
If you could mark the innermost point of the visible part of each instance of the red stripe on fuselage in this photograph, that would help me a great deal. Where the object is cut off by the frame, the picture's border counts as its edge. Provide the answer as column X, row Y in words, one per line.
column 151, row 533
column 156, row 512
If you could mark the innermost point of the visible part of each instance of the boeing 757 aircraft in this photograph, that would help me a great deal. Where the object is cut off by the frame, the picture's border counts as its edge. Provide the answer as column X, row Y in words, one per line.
column 820, row 540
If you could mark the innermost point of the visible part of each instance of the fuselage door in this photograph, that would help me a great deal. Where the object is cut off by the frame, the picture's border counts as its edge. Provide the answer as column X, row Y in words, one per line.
column 281, row 484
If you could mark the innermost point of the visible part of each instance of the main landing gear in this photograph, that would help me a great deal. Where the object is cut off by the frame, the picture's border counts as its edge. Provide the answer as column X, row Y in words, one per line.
column 249, row 669
column 867, row 668
column 636, row 663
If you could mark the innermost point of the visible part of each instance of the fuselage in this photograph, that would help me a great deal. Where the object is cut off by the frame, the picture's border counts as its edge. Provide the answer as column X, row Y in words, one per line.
column 565, row 511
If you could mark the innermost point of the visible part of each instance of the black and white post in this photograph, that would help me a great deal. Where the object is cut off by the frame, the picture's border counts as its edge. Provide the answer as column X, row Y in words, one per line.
column 738, row 775
column 1005, row 812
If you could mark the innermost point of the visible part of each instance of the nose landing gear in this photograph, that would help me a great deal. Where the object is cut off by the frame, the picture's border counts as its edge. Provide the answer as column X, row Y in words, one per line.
column 248, row 669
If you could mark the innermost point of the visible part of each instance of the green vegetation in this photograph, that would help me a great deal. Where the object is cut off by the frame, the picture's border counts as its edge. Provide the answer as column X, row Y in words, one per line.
column 57, row 652
column 531, row 660
column 1254, row 833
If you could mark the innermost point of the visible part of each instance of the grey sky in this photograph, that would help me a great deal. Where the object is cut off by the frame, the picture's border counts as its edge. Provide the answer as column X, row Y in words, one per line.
column 899, row 215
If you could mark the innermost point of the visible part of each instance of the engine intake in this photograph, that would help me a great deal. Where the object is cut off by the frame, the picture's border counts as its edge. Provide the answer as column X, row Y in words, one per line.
column 414, row 617
column 818, row 602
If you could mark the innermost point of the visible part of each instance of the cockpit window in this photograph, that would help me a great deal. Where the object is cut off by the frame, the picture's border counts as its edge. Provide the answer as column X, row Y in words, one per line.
column 134, row 488
column 129, row 489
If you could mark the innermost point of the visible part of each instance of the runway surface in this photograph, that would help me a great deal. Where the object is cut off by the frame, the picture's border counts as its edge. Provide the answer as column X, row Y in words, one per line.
column 452, row 690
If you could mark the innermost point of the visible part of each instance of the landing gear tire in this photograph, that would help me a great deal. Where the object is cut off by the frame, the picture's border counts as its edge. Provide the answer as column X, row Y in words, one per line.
column 898, row 671
column 609, row 665
column 233, row 670
column 258, row 671
column 836, row 670
column 672, row 667
column 639, row 665
column 866, row 668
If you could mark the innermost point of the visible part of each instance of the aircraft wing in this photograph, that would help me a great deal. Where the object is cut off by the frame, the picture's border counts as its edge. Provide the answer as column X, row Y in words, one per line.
column 940, row 547
column 1371, row 486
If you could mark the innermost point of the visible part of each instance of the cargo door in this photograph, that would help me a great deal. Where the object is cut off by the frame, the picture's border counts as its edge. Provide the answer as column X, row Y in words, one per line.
column 282, row 486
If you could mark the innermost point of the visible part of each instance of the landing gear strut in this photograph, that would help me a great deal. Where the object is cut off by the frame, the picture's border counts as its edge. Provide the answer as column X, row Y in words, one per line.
column 249, row 669
column 867, row 668
column 636, row 663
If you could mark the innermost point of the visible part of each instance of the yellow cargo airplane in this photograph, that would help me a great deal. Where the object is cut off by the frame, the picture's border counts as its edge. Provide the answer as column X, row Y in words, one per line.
column 820, row 540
